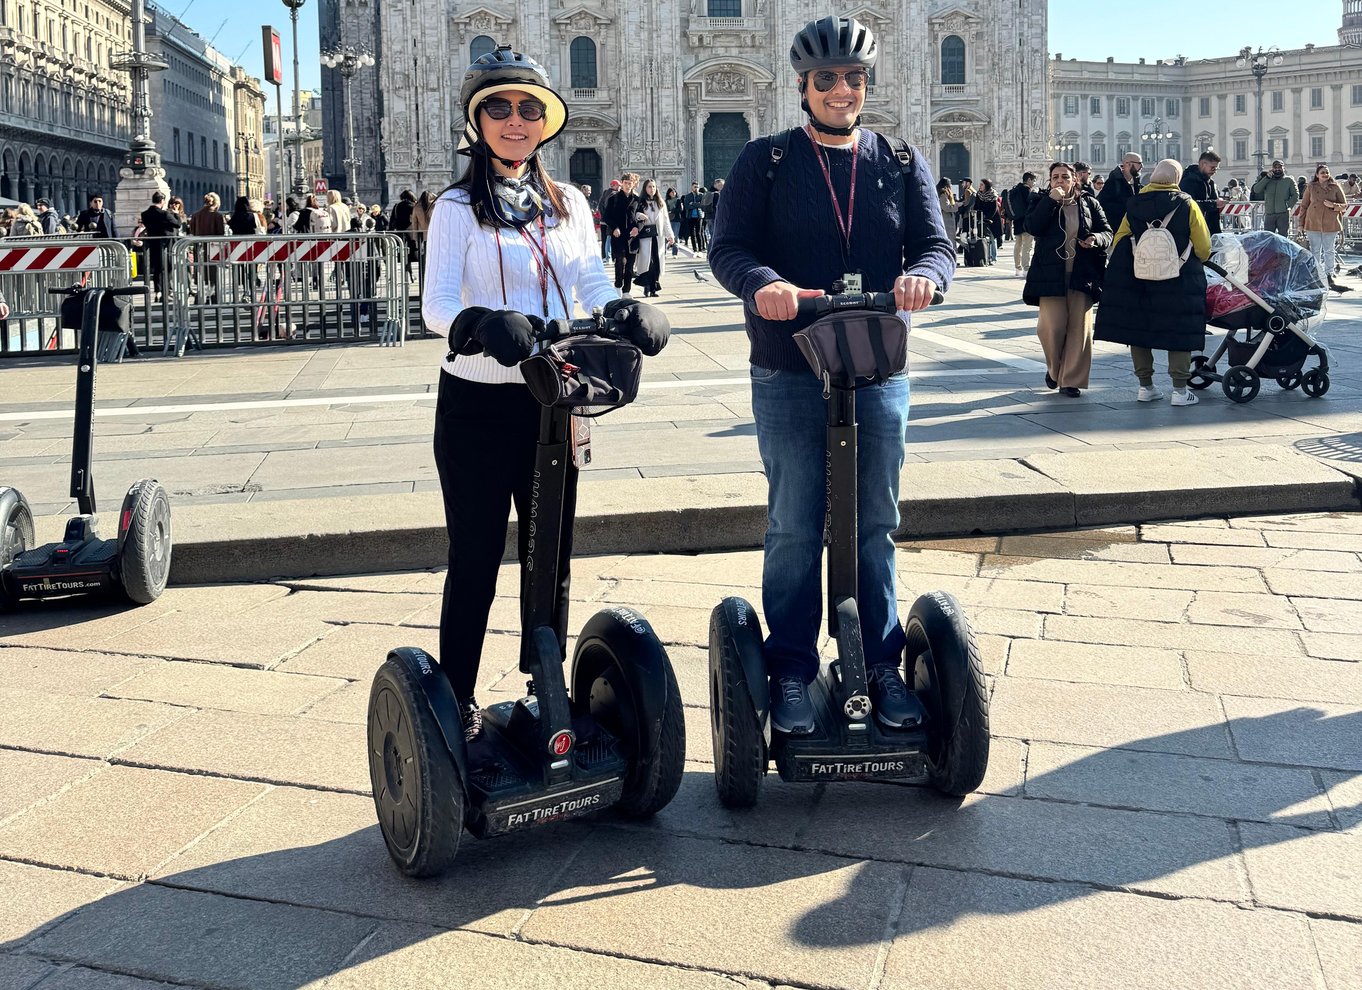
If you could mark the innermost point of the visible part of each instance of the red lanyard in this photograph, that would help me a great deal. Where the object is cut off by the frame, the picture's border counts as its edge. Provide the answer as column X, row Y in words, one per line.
column 539, row 251
column 842, row 225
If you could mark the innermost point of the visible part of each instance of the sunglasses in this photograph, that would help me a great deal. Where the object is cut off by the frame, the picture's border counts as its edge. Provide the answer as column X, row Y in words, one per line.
column 825, row 79
column 501, row 109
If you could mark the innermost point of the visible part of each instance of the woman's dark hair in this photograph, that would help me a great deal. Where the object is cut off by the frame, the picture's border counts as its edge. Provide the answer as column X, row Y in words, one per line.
column 942, row 185
column 986, row 185
column 1055, row 165
column 311, row 202
column 477, row 180
column 290, row 206
column 671, row 191
column 241, row 207
column 407, row 196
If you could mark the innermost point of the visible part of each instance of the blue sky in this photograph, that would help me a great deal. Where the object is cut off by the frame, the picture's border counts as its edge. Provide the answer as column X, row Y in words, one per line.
column 1083, row 29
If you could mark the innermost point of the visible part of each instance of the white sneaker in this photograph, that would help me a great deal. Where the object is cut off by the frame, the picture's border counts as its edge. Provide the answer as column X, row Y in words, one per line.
column 1149, row 393
column 1184, row 397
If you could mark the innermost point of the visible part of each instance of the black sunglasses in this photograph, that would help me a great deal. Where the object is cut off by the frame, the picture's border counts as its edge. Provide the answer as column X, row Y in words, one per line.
column 501, row 109
column 825, row 79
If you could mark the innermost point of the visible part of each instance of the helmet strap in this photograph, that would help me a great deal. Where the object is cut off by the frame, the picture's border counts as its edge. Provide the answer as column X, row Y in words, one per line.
column 486, row 149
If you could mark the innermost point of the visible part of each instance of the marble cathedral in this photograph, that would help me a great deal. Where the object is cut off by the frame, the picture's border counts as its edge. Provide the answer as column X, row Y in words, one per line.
column 675, row 88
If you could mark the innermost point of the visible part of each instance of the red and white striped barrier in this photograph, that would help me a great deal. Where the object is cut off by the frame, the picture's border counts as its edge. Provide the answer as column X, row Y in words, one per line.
column 1239, row 209
column 1352, row 211
column 36, row 260
column 279, row 251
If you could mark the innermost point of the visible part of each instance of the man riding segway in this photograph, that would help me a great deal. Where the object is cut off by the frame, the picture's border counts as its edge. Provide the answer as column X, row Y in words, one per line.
column 827, row 231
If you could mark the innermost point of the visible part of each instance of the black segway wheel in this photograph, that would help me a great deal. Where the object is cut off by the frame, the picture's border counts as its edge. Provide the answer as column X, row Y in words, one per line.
column 1201, row 368
column 16, row 530
column 735, row 647
column 417, row 794
column 943, row 665
column 1315, row 383
column 144, row 541
column 1241, row 383
column 622, row 676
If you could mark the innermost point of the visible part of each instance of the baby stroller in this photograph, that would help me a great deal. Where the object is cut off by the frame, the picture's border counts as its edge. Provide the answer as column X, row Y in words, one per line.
column 1268, row 287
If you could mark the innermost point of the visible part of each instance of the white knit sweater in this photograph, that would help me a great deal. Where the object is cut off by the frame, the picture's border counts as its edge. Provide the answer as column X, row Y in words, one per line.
column 462, row 269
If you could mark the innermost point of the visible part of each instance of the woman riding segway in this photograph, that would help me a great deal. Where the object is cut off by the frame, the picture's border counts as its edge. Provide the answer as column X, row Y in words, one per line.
column 509, row 252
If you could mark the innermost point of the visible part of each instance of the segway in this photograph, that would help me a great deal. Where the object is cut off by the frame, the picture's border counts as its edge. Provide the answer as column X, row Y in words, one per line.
column 949, row 750
column 134, row 564
column 611, row 735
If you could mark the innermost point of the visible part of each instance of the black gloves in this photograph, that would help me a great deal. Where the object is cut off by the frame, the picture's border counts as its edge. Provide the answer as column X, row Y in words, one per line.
column 461, row 340
column 508, row 336
column 644, row 326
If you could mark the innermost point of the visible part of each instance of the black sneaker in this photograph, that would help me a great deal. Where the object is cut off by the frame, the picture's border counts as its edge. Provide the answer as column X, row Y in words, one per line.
column 791, row 709
column 472, row 720
column 894, row 705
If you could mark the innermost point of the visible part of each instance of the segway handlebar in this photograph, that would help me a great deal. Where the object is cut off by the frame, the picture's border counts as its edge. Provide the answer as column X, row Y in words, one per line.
column 883, row 302
column 127, row 290
column 597, row 324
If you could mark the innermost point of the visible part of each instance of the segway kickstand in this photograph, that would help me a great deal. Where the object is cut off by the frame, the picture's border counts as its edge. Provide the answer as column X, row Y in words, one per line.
column 541, row 653
column 844, row 623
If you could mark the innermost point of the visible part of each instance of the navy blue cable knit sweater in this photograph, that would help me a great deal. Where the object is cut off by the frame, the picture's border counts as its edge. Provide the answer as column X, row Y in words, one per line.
column 786, row 230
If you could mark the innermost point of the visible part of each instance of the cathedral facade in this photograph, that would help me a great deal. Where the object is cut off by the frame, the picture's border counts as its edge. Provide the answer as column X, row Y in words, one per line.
column 674, row 88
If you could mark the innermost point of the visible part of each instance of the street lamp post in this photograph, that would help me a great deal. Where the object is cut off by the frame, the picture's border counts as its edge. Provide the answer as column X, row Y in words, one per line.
column 347, row 60
column 1062, row 149
column 299, row 186
column 1257, row 63
column 1156, row 134
column 141, row 173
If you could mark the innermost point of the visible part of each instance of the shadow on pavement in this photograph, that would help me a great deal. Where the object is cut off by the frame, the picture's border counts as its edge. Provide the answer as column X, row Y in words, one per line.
column 622, row 889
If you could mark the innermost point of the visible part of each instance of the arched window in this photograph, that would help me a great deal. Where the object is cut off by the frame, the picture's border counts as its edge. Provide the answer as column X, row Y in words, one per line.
column 583, row 59
column 953, row 61
column 480, row 46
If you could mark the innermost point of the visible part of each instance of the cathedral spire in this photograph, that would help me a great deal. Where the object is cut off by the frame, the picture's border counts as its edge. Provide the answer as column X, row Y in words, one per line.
column 1350, row 33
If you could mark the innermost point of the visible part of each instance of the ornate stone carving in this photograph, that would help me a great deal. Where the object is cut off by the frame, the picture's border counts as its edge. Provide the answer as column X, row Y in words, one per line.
column 727, row 82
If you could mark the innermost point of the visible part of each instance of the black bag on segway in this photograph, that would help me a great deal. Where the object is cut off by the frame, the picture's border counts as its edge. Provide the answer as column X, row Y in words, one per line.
column 115, row 313
column 588, row 375
column 855, row 347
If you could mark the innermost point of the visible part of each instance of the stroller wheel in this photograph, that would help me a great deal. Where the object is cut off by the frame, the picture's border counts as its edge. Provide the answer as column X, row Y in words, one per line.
column 1241, row 383
column 1315, row 383
column 1200, row 369
column 1289, row 381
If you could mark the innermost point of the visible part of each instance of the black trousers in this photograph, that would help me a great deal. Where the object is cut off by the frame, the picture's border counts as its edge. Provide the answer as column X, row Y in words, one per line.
column 485, row 439
column 624, row 264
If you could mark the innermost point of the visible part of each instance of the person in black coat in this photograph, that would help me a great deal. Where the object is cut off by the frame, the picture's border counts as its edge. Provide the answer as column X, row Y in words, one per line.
column 1065, row 278
column 1018, row 199
column 1168, row 316
column 97, row 220
column 619, row 217
column 160, row 225
column 1198, row 182
column 1121, row 185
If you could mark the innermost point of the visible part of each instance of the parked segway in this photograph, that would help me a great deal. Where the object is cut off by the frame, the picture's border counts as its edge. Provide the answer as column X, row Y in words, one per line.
column 611, row 735
column 136, row 563
column 949, row 750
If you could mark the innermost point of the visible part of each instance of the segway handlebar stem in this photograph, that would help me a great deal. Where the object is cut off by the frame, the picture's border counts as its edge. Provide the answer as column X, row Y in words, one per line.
column 126, row 290
column 882, row 302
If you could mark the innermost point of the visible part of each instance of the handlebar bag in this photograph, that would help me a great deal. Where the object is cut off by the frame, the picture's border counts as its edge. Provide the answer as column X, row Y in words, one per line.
column 115, row 313
column 855, row 346
column 588, row 375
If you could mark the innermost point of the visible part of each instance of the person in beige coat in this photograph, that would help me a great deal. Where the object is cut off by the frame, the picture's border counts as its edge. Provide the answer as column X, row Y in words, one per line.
column 1320, row 207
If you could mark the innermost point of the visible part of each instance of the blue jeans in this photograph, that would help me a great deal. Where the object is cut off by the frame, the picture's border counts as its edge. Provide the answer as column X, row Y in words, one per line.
column 791, row 417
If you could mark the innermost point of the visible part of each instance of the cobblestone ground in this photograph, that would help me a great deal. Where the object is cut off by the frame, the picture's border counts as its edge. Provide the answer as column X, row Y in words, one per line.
column 1174, row 797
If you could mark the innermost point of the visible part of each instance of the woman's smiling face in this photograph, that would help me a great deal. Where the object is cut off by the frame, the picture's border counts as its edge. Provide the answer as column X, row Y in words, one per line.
column 513, row 138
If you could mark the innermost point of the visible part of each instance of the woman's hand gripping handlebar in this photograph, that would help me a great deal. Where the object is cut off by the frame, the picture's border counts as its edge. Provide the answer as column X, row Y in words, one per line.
column 883, row 302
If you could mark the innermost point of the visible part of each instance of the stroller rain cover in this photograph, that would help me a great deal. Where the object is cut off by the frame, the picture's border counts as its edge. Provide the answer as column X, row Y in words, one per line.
column 1278, row 269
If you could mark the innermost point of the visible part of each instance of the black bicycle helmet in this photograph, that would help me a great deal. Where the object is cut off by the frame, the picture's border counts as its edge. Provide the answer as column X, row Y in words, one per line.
column 833, row 42
column 502, row 70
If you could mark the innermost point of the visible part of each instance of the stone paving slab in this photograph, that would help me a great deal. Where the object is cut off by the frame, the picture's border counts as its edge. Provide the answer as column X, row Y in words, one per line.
column 1268, row 730
column 780, row 915
column 1124, row 778
column 1339, row 946
column 982, row 933
column 158, row 933
column 1109, row 716
column 1115, row 602
column 1172, row 635
column 123, row 821
column 35, row 897
column 1277, row 677
column 26, row 778
column 401, row 957
column 95, row 727
column 18, row 973
column 66, row 672
column 1304, row 871
column 322, row 850
column 201, row 685
column 84, row 978
column 1133, row 666
column 283, row 750
column 1113, row 848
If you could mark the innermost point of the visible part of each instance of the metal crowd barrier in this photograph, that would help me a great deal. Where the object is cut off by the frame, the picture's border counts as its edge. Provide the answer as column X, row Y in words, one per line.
column 324, row 288
column 29, row 267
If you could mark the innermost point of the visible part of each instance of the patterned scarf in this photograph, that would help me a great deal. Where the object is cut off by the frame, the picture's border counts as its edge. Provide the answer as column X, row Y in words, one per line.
column 518, row 201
